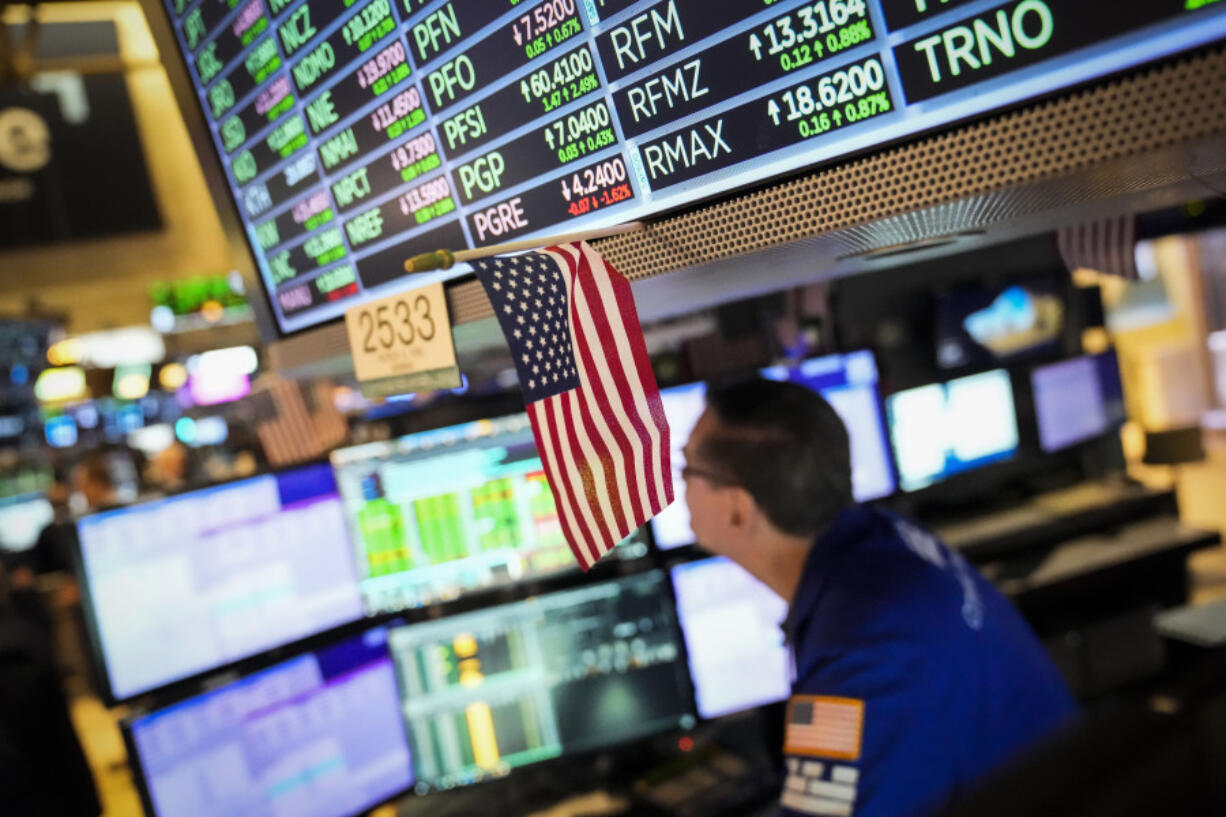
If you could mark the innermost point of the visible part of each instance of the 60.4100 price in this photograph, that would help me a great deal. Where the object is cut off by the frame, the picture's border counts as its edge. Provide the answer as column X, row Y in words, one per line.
column 397, row 322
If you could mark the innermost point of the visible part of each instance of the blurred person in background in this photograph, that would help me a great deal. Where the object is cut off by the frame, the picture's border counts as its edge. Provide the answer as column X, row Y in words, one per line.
column 53, row 550
column 92, row 486
column 43, row 770
column 914, row 678
column 89, row 488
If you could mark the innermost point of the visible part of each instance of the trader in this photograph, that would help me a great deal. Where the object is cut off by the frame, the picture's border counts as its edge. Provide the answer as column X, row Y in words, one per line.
column 914, row 677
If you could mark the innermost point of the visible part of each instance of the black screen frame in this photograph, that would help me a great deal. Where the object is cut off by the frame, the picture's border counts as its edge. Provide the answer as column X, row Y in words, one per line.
column 186, row 686
column 140, row 778
column 178, row 71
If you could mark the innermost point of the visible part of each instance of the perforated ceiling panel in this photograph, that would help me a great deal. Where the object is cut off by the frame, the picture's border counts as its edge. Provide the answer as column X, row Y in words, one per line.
column 1136, row 115
column 1152, row 130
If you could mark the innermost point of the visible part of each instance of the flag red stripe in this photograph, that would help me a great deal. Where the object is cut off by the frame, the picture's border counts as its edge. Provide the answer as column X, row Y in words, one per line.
column 601, row 408
column 647, row 382
column 300, row 421
column 564, row 504
column 578, row 544
column 583, row 469
column 607, row 472
column 625, row 385
column 646, row 379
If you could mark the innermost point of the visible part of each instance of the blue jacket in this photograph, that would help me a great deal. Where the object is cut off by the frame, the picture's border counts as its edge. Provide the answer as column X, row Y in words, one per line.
column 914, row 676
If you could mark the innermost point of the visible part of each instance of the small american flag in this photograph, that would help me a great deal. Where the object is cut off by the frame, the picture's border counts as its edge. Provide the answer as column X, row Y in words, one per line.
column 296, row 422
column 824, row 726
column 1107, row 245
column 596, row 414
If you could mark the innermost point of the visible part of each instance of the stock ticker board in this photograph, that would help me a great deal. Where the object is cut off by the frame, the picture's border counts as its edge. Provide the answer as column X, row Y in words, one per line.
column 356, row 133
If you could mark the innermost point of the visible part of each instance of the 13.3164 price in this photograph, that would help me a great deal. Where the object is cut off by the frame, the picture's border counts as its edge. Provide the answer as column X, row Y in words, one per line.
column 812, row 32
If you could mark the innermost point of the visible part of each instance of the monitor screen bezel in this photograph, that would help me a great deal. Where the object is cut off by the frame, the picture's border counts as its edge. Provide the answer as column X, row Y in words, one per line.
column 685, row 676
column 136, row 763
column 211, row 161
column 181, row 687
column 697, row 557
column 1111, row 424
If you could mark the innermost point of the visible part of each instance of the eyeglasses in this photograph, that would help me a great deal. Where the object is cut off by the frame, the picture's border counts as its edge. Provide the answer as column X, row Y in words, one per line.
column 686, row 471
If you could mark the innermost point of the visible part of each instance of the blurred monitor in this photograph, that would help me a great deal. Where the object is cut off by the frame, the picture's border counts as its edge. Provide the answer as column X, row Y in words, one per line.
column 732, row 624
column 22, row 519
column 448, row 511
column 575, row 671
column 980, row 325
column 848, row 382
column 182, row 585
column 1077, row 400
column 943, row 429
column 314, row 736
column 683, row 405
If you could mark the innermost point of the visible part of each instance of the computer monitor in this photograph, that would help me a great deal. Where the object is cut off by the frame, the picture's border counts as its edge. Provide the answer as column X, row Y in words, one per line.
column 982, row 325
column 436, row 514
column 849, row 384
column 314, row 736
column 568, row 672
column 1077, row 400
column 732, row 624
column 22, row 519
column 943, row 429
column 185, row 584
column 683, row 405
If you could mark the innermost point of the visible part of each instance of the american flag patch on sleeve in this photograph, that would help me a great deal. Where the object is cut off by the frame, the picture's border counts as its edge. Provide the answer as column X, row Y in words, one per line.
column 824, row 726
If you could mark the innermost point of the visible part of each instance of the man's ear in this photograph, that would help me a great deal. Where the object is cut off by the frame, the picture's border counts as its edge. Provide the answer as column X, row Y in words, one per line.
column 742, row 514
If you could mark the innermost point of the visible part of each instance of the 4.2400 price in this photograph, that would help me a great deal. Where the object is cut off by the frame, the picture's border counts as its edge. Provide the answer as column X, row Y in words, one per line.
column 398, row 322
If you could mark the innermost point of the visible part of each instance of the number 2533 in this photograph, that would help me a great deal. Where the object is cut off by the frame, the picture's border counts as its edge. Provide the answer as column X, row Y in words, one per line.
column 405, row 321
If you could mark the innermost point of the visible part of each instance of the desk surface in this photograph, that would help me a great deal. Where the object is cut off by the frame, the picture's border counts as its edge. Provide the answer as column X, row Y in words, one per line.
column 1160, row 536
column 1045, row 511
column 1204, row 625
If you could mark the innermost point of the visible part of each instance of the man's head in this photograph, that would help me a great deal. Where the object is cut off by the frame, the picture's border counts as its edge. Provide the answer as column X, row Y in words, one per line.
column 91, row 479
column 766, row 458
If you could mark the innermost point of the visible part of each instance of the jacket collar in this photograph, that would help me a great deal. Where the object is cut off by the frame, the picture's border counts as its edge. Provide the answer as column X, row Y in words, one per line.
column 850, row 526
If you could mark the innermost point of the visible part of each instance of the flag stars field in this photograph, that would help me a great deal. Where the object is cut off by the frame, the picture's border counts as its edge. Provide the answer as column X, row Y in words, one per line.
column 590, row 394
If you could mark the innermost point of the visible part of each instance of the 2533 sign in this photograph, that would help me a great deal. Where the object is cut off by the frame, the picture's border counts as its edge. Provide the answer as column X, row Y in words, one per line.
column 387, row 325
column 403, row 343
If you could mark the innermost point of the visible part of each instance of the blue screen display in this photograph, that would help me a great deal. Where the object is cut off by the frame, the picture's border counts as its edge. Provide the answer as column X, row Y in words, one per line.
column 357, row 133
column 1077, row 400
column 182, row 585
column 316, row 736
column 943, row 429
column 733, row 636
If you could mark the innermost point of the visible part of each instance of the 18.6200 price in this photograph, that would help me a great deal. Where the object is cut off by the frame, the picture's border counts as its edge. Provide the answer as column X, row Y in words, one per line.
column 848, row 95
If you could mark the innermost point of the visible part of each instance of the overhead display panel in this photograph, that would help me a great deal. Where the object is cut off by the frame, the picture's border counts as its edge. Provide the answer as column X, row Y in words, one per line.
column 356, row 133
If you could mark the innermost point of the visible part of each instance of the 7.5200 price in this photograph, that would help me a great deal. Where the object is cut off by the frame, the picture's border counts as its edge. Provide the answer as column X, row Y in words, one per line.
column 396, row 323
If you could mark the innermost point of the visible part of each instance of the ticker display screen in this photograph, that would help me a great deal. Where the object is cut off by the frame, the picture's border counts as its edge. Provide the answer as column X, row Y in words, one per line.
column 357, row 133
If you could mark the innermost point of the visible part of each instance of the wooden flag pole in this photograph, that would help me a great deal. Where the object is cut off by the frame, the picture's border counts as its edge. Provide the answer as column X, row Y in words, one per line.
column 445, row 259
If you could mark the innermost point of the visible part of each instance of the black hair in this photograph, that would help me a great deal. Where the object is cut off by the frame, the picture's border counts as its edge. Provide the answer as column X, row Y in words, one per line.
column 786, row 446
